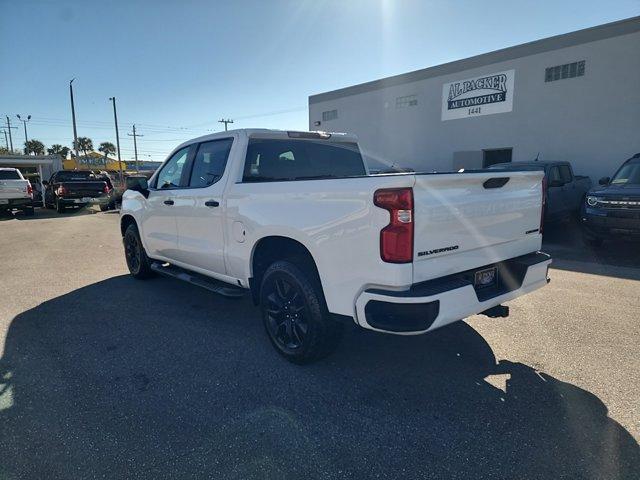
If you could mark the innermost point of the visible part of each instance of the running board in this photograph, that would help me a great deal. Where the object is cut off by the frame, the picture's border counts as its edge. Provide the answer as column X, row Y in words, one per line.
column 193, row 278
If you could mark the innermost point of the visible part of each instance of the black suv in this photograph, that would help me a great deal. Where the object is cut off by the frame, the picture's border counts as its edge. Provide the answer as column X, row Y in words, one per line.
column 613, row 208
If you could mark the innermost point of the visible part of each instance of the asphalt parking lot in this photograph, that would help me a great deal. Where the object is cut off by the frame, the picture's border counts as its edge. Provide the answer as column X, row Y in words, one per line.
column 103, row 376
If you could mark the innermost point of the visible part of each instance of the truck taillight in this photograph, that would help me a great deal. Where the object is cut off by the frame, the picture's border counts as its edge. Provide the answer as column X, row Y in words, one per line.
column 62, row 190
column 106, row 188
column 396, row 239
column 544, row 203
column 29, row 189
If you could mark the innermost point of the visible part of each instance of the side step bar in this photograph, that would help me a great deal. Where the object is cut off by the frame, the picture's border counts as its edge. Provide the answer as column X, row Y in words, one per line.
column 210, row 284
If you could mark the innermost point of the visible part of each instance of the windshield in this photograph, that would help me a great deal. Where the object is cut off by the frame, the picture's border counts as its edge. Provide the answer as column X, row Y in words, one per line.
column 629, row 174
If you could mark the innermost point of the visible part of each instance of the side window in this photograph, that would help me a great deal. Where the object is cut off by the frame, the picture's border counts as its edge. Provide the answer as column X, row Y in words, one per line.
column 171, row 174
column 554, row 175
column 565, row 173
column 209, row 162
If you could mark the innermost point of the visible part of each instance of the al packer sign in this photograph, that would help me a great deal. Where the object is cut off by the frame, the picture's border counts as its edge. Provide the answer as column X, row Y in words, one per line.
column 478, row 96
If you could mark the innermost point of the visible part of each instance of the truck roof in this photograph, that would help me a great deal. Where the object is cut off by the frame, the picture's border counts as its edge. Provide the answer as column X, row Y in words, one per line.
column 273, row 133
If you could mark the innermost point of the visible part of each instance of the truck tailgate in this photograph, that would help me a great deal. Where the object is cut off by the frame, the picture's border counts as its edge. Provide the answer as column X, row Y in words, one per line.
column 467, row 220
column 14, row 188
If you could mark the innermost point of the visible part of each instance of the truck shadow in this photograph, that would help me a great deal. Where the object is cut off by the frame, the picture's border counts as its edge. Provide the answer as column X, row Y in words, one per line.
column 159, row 379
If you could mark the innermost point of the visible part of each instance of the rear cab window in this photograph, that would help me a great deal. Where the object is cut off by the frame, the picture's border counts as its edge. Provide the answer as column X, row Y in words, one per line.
column 272, row 160
column 10, row 175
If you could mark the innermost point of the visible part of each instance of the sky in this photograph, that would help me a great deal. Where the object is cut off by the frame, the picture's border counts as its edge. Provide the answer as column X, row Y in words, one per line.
column 177, row 67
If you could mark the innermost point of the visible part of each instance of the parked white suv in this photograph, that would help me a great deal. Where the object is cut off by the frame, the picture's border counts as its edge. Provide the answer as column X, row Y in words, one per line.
column 15, row 191
column 295, row 218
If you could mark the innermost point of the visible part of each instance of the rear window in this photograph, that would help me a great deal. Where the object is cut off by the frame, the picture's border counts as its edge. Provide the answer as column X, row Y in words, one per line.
column 9, row 175
column 74, row 176
column 273, row 160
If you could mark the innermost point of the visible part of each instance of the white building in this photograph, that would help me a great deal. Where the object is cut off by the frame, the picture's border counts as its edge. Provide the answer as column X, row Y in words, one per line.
column 572, row 97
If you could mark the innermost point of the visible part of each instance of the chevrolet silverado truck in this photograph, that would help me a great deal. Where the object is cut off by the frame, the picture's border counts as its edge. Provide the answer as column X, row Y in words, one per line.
column 294, row 219
column 72, row 188
column 565, row 191
column 613, row 208
column 15, row 192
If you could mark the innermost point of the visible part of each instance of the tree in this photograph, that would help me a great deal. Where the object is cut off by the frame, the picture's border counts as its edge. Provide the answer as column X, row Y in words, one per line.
column 107, row 148
column 57, row 149
column 34, row 146
column 84, row 144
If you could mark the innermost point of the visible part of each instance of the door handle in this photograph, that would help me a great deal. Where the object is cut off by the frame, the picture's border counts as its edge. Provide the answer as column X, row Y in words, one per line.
column 212, row 203
column 168, row 202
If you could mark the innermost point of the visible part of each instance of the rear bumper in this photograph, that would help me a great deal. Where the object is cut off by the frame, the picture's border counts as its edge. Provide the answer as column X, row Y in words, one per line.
column 16, row 203
column 438, row 302
column 84, row 200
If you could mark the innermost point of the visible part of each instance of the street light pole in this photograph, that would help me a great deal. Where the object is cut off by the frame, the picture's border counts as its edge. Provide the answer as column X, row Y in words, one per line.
column 73, row 118
column 24, row 122
column 115, row 119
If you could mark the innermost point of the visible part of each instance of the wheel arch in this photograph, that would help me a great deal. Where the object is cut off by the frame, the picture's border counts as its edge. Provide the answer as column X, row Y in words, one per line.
column 125, row 221
column 272, row 248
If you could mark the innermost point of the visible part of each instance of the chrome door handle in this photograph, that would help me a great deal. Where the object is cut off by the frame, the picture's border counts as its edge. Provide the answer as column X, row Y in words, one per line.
column 168, row 202
column 212, row 203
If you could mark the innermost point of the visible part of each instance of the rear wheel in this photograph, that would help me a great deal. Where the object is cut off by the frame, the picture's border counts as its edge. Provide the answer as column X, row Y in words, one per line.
column 137, row 260
column 104, row 207
column 295, row 315
column 60, row 208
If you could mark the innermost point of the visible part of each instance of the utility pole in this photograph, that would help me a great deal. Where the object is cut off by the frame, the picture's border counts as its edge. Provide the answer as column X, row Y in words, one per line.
column 73, row 117
column 115, row 118
column 227, row 121
column 9, row 127
column 135, row 145
column 6, row 140
column 24, row 122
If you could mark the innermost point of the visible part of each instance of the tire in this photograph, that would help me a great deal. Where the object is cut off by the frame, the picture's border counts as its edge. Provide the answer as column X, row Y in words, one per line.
column 104, row 207
column 295, row 315
column 137, row 261
column 29, row 212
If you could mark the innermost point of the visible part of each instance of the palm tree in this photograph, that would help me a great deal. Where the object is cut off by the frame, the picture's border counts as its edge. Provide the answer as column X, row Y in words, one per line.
column 57, row 149
column 107, row 148
column 84, row 144
column 34, row 146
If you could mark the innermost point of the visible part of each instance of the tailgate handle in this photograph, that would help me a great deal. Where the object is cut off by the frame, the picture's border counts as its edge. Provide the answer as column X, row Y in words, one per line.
column 495, row 182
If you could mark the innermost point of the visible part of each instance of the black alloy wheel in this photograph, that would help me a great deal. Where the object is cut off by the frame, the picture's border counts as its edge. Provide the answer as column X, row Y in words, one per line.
column 137, row 260
column 285, row 313
column 295, row 314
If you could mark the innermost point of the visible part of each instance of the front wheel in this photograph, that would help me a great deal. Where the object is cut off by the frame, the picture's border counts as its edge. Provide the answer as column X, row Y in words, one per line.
column 137, row 260
column 295, row 315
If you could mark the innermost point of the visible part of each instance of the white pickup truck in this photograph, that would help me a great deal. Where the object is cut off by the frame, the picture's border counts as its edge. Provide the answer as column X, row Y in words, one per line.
column 295, row 218
column 15, row 191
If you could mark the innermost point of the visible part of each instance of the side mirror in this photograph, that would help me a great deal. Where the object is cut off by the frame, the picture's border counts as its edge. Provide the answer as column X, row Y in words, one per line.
column 138, row 184
column 556, row 183
column 604, row 181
